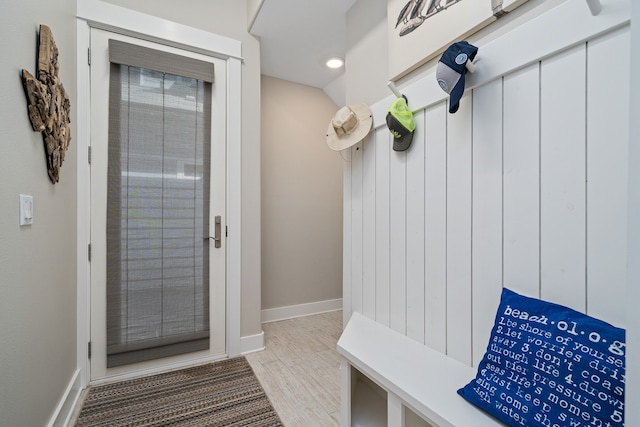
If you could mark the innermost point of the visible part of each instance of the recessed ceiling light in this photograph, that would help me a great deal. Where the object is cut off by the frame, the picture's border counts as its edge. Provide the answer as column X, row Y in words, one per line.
column 335, row 62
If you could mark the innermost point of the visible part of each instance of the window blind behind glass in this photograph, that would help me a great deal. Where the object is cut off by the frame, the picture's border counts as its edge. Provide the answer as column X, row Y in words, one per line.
column 157, row 210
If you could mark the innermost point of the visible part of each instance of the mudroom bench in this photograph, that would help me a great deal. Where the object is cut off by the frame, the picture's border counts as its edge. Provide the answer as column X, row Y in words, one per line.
column 391, row 380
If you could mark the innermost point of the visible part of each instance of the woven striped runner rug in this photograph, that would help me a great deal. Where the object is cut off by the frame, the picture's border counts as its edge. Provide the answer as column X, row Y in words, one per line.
column 224, row 393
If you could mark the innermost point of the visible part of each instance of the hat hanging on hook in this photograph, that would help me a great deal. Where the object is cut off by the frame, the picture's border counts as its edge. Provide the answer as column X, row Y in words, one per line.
column 400, row 120
column 349, row 126
column 400, row 123
column 451, row 70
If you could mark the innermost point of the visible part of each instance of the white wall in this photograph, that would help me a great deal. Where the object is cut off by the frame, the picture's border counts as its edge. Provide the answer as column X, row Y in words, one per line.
column 37, row 262
column 367, row 47
column 253, row 9
column 301, row 197
column 632, row 414
column 524, row 187
column 229, row 18
column 366, row 57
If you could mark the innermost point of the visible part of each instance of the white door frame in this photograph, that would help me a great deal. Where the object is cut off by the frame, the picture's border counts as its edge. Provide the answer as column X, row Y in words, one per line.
column 97, row 14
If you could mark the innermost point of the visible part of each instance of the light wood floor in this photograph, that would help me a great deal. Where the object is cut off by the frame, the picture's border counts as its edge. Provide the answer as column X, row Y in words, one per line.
column 300, row 369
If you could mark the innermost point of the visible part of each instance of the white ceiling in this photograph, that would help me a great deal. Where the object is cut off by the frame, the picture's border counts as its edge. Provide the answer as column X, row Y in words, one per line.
column 298, row 36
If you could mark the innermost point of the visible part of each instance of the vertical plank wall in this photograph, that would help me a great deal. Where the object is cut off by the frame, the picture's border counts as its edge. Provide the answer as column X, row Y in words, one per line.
column 524, row 187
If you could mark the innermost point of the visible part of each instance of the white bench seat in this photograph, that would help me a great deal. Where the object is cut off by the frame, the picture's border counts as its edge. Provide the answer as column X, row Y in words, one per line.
column 413, row 375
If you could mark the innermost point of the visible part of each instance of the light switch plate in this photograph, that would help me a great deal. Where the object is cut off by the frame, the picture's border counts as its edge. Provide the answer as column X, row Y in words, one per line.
column 26, row 210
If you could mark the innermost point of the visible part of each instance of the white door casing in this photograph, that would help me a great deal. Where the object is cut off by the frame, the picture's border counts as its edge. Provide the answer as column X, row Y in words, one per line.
column 96, row 14
column 99, row 155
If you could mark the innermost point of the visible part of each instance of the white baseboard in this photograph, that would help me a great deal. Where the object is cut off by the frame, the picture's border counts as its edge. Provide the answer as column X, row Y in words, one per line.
column 252, row 343
column 292, row 311
column 62, row 415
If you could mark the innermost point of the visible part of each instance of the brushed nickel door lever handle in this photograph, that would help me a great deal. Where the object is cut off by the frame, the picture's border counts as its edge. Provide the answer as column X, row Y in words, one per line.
column 217, row 241
column 216, row 237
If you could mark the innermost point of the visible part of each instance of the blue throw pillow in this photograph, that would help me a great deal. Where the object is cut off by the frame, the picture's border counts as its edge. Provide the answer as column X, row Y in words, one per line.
column 550, row 366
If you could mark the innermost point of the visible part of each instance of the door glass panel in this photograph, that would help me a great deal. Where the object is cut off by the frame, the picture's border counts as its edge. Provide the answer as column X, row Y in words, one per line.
column 157, row 215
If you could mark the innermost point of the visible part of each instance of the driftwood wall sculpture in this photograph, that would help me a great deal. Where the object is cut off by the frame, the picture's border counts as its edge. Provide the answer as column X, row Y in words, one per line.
column 48, row 103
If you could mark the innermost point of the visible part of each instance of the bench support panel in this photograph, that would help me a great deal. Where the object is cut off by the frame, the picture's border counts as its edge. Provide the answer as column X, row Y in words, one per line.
column 413, row 376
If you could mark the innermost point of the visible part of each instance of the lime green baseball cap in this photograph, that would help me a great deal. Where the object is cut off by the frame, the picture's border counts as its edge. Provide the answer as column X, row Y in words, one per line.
column 400, row 123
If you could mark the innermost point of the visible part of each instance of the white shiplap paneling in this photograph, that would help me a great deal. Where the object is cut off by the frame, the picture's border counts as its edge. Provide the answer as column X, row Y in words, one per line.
column 486, row 212
column 383, row 253
column 607, row 174
column 522, row 181
column 435, row 219
column 415, row 232
column 562, row 178
column 369, row 228
column 459, row 148
column 347, row 242
column 524, row 187
column 357, row 214
column 398, row 241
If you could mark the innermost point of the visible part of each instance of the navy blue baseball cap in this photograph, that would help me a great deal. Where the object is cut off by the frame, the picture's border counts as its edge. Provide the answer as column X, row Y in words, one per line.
column 451, row 70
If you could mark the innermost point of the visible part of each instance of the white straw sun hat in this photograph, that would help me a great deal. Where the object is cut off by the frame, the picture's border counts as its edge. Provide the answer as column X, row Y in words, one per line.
column 348, row 126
